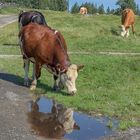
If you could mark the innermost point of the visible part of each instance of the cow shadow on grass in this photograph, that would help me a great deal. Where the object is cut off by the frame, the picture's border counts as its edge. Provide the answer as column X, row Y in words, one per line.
column 18, row 80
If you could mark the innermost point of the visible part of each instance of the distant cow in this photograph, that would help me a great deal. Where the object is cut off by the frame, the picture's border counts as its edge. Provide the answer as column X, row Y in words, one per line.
column 47, row 48
column 128, row 19
column 30, row 16
column 83, row 10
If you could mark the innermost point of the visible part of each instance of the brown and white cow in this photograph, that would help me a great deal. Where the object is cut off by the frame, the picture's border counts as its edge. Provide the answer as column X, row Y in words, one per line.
column 128, row 20
column 83, row 10
column 46, row 48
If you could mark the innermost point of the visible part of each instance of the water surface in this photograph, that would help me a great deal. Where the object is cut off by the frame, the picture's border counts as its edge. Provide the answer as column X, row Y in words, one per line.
column 52, row 120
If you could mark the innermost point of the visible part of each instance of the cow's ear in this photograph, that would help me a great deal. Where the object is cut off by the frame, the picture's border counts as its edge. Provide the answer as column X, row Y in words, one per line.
column 58, row 67
column 79, row 67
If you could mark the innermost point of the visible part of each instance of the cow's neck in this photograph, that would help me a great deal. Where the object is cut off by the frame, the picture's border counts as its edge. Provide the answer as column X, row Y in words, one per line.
column 61, row 57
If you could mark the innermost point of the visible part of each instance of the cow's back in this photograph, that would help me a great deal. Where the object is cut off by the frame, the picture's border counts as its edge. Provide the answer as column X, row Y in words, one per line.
column 128, row 17
column 43, row 44
column 37, row 40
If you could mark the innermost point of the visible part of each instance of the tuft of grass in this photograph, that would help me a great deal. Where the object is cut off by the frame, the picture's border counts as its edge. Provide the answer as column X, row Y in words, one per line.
column 9, row 10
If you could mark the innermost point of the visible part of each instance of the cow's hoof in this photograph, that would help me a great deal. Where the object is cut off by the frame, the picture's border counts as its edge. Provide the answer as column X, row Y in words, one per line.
column 56, row 88
column 32, row 87
column 26, row 83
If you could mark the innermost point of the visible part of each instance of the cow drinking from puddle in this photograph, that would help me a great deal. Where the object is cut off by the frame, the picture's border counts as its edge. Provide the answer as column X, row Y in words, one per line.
column 47, row 48
column 128, row 20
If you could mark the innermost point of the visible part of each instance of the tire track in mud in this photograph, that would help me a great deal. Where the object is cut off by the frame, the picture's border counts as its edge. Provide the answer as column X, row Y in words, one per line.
column 81, row 53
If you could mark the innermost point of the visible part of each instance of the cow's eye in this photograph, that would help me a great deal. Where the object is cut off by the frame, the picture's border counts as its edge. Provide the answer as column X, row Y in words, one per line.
column 65, row 77
column 69, row 78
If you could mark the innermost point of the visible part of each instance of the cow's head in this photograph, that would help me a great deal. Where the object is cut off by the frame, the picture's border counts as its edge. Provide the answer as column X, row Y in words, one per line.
column 68, row 79
column 65, row 117
column 123, row 31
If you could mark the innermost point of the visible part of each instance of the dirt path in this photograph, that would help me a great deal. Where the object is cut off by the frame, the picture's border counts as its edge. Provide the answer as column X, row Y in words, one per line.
column 14, row 100
column 7, row 19
column 83, row 53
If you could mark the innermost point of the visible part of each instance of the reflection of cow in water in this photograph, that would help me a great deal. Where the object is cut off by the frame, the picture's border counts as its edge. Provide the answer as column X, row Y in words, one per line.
column 54, row 124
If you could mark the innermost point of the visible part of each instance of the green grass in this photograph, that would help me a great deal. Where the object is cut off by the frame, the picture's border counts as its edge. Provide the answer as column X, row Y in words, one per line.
column 84, row 33
column 109, row 85
column 9, row 10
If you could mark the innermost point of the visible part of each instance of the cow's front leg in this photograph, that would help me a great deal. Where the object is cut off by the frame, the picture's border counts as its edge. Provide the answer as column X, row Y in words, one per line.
column 123, row 32
column 127, row 33
column 57, row 83
column 55, row 86
column 36, row 75
column 26, row 70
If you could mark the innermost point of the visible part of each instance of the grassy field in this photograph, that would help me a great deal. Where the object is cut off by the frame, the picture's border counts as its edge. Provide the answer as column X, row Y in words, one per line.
column 108, row 85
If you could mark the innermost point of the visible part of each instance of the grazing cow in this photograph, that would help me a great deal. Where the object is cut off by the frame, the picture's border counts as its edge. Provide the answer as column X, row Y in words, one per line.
column 54, row 124
column 47, row 48
column 30, row 16
column 83, row 10
column 128, row 19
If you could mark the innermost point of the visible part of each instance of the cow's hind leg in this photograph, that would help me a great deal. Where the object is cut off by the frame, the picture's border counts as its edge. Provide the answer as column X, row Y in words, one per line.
column 133, row 30
column 36, row 75
column 26, row 70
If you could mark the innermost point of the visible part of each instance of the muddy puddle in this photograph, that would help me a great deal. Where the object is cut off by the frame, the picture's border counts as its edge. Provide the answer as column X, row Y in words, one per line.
column 52, row 120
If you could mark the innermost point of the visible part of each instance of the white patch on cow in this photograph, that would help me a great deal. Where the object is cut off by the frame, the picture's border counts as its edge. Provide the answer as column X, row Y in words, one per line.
column 32, row 59
column 55, row 32
column 123, row 32
column 127, row 33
